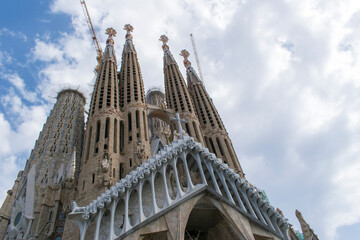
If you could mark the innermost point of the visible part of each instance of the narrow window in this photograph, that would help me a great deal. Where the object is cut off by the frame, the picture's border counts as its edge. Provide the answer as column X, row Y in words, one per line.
column 212, row 145
column 83, row 185
column 129, row 122
column 220, row 147
column 93, row 178
column 50, row 216
column 88, row 144
column 196, row 132
column 207, row 142
column 137, row 118
column 115, row 136
column 113, row 172
column 146, row 129
column 121, row 170
column 187, row 129
column 130, row 162
column 129, row 127
column 121, row 136
column 230, row 150
column 97, row 131
column 107, row 127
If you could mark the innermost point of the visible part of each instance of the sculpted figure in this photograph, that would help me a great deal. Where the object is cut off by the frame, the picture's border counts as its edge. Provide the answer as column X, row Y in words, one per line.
column 105, row 164
column 76, row 208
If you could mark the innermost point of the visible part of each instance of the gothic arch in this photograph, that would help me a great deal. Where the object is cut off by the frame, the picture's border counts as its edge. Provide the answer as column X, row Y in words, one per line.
column 207, row 221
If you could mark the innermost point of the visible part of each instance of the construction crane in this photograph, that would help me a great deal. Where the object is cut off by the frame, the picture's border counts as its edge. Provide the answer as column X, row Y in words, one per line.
column 196, row 56
column 93, row 35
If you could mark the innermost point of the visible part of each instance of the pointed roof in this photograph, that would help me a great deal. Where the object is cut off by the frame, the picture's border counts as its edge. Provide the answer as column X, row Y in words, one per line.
column 168, row 57
column 193, row 78
column 109, row 53
column 129, row 46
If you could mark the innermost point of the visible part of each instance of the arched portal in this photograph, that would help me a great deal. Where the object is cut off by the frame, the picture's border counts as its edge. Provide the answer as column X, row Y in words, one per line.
column 206, row 222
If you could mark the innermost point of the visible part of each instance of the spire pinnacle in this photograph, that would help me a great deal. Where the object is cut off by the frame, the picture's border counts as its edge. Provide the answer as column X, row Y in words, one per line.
column 128, row 29
column 186, row 54
column 191, row 74
column 112, row 33
column 164, row 39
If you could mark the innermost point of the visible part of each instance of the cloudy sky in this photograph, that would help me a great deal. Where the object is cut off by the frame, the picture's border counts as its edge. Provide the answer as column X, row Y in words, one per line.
column 283, row 74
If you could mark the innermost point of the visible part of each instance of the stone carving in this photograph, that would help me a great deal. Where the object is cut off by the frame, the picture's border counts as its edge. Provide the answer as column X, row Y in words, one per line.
column 76, row 208
column 112, row 33
column 140, row 150
column 164, row 39
column 163, row 106
column 66, row 209
column 128, row 29
column 186, row 54
column 305, row 227
column 105, row 163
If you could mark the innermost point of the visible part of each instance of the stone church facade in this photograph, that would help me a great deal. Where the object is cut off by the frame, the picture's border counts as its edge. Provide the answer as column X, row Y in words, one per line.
column 144, row 166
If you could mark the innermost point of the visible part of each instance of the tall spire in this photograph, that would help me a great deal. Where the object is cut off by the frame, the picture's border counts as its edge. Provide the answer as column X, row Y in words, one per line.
column 177, row 95
column 192, row 77
column 216, row 137
column 101, row 139
column 135, row 137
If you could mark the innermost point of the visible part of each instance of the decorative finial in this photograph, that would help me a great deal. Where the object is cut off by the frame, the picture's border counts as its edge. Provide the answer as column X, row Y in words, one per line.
column 128, row 29
column 112, row 33
column 186, row 54
column 164, row 39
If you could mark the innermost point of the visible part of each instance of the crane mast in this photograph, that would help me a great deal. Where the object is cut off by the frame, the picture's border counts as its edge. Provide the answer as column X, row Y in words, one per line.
column 196, row 56
column 93, row 35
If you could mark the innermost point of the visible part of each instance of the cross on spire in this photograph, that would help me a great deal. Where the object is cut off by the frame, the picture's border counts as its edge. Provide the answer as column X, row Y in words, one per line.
column 128, row 29
column 186, row 54
column 112, row 33
column 178, row 120
column 164, row 39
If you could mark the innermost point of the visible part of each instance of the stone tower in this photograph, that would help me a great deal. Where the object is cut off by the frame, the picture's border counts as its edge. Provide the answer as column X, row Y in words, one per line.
column 135, row 143
column 43, row 192
column 177, row 95
column 215, row 135
column 62, row 132
column 101, row 153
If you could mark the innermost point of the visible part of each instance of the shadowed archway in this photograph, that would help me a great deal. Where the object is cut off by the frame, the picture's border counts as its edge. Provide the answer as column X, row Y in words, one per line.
column 206, row 222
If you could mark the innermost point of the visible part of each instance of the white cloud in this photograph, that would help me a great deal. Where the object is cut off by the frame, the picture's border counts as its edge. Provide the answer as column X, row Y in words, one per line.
column 5, row 58
column 17, row 138
column 19, row 84
column 4, row 136
column 13, row 34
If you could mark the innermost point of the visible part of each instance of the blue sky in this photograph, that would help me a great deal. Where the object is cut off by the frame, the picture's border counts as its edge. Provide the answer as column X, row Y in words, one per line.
column 284, row 76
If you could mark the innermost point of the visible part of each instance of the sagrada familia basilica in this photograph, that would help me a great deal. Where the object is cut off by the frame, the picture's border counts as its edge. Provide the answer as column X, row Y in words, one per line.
column 144, row 166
